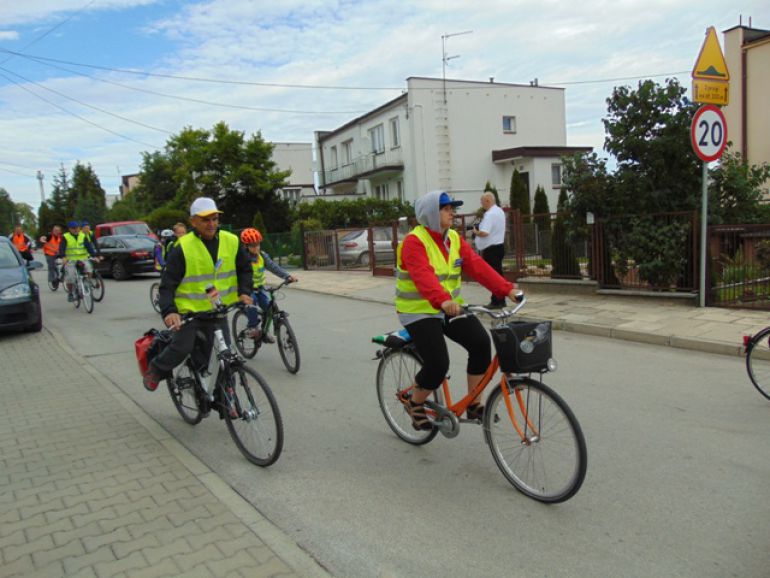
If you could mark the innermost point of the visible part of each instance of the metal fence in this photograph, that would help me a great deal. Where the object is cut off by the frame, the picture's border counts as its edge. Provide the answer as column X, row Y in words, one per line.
column 738, row 266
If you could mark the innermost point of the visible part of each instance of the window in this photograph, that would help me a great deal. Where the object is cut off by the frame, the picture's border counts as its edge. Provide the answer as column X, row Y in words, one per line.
column 292, row 194
column 377, row 136
column 400, row 190
column 556, row 175
column 381, row 191
column 333, row 160
column 395, row 134
column 509, row 124
column 347, row 156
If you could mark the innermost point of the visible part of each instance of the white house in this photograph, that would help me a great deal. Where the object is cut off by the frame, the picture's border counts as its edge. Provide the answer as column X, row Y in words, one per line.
column 453, row 135
column 297, row 157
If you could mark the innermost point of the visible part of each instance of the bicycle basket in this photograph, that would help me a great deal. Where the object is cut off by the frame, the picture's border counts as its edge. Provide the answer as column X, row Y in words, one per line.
column 523, row 347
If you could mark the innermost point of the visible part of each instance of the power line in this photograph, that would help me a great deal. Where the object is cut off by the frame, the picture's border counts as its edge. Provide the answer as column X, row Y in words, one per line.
column 16, row 172
column 52, row 29
column 80, row 102
column 189, row 99
column 483, row 86
column 77, row 115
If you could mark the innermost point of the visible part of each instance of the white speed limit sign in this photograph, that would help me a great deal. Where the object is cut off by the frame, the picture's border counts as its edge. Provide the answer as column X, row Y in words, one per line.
column 708, row 133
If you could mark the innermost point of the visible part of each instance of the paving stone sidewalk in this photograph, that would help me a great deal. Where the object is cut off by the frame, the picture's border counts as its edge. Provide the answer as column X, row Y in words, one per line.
column 90, row 486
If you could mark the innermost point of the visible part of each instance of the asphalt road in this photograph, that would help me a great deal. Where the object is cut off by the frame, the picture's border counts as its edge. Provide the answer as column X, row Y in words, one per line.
column 679, row 455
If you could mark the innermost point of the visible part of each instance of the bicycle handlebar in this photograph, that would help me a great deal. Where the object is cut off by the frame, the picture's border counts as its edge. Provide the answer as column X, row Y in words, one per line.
column 498, row 314
column 277, row 287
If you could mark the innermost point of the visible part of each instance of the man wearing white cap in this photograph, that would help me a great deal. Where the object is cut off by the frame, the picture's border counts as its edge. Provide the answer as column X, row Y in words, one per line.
column 203, row 257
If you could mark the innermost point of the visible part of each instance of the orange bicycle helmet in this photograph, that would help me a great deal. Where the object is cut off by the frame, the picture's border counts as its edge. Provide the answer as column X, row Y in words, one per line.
column 250, row 236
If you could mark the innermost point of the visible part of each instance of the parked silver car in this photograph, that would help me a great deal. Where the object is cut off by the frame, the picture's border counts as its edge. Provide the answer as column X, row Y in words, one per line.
column 354, row 246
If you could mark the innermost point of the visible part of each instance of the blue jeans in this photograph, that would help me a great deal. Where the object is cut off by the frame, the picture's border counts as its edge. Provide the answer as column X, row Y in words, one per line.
column 262, row 299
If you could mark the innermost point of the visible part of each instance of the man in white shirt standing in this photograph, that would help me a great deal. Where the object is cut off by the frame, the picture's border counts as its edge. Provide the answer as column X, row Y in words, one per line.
column 490, row 238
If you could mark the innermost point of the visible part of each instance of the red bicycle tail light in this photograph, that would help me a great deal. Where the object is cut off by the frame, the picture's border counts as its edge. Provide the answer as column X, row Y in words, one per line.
column 746, row 340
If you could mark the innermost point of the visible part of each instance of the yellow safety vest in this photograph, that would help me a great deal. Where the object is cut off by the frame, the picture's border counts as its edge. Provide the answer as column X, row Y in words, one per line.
column 448, row 271
column 259, row 271
column 199, row 273
column 76, row 247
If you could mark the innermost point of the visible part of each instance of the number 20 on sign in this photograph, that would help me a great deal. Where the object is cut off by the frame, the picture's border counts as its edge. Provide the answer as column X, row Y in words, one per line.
column 708, row 133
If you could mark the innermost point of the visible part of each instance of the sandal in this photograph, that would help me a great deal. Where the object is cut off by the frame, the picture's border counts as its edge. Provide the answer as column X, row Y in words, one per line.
column 420, row 420
column 475, row 411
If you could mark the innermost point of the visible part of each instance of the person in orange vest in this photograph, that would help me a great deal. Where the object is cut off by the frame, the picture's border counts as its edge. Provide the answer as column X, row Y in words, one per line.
column 22, row 242
column 51, row 250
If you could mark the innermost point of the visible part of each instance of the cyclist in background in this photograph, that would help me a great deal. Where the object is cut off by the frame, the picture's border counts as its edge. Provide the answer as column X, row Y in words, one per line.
column 85, row 227
column 161, row 249
column 430, row 262
column 207, row 256
column 73, row 249
column 22, row 242
column 51, row 251
column 252, row 239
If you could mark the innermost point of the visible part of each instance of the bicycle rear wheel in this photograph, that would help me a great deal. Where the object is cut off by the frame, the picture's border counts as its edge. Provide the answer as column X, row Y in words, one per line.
column 538, row 445
column 246, row 346
column 53, row 285
column 97, row 286
column 84, row 288
column 256, row 427
column 758, row 361
column 184, row 390
column 155, row 296
column 287, row 345
column 395, row 374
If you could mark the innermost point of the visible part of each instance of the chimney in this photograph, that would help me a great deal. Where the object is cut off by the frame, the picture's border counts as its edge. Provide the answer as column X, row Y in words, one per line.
column 491, row 80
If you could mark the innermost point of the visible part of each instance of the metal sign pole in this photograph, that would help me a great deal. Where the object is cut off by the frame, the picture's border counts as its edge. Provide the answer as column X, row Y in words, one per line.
column 703, row 228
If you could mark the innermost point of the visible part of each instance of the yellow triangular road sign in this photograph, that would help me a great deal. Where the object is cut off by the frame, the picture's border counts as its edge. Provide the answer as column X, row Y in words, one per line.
column 711, row 63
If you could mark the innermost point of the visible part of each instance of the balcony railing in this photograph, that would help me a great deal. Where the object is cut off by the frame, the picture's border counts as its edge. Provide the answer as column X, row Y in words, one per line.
column 363, row 165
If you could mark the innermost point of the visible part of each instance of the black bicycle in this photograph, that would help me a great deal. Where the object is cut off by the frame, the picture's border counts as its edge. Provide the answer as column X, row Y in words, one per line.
column 758, row 360
column 239, row 394
column 248, row 341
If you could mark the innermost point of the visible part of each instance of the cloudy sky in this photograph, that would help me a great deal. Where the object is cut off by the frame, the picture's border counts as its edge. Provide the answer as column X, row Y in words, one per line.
column 101, row 81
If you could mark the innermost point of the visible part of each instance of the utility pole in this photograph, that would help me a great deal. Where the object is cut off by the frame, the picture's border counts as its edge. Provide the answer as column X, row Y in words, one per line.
column 445, row 58
column 40, row 177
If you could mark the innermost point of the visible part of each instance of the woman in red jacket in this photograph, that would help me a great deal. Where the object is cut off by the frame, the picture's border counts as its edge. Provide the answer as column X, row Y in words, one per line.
column 430, row 263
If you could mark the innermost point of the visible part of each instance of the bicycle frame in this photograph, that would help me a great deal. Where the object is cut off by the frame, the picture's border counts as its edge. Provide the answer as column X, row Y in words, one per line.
column 462, row 404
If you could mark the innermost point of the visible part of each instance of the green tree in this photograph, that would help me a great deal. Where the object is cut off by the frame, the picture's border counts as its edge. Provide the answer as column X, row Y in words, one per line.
column 564, row 261
column 87, row 198
column 648, row 132
column 7, row 213
column 124, row 210
column 56, row 206
column 735, row 191
column 238, row 173
column 542, row 222
column 25, row 216
column 519, row 195
column 165, row 218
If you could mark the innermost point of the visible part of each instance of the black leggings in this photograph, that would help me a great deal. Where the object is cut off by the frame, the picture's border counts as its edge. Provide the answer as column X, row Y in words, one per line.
column 428, row 336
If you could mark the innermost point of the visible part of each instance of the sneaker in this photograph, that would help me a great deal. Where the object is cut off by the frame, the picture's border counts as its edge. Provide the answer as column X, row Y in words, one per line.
column 267, row 338
column 151, row 380
column 495, row 305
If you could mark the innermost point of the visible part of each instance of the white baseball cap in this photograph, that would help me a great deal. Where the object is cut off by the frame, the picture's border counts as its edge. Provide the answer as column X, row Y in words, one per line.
column 203, row 207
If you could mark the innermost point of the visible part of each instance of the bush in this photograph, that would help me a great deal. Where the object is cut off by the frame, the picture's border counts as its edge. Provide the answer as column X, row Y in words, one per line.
column 165, row 218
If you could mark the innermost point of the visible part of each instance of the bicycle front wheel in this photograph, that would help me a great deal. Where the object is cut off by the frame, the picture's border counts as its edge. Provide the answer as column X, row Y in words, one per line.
column 536, row 440
column 155, row 296
column 84, row 288
column 255, row 424
column 53, row 285
column 758, row 361
column 97, row 286
column 246, row 345
column 185, row 393
column 287, row 345
column 395, row 375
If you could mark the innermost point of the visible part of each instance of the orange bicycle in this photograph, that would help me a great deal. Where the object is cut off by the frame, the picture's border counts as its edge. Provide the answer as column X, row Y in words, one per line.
column 534, row 437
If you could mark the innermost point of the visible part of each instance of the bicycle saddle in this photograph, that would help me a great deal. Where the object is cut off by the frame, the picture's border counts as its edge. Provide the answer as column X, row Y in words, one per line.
column 394, row 339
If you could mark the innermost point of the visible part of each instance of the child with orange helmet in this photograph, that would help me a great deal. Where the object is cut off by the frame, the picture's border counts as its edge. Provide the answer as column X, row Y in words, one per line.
column 260, row 261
